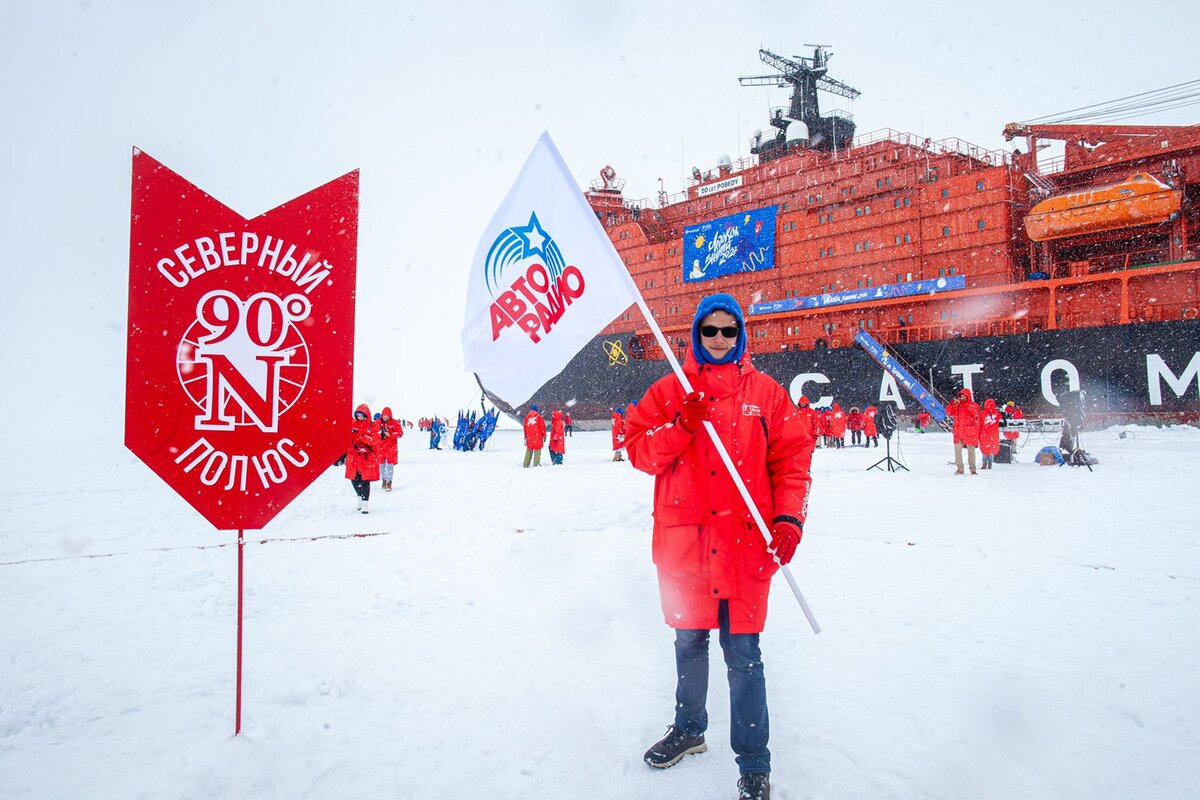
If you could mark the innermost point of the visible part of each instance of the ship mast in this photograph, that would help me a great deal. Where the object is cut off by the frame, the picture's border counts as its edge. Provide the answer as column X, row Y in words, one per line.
column 832, row 131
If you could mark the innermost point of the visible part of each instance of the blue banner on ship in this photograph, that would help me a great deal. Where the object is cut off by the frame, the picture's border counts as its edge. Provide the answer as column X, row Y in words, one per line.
column 902, row 375
column 862, row 295
column 743, row 242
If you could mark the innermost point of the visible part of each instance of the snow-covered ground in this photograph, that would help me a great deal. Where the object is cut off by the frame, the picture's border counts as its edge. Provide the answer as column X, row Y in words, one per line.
column 1031, row 632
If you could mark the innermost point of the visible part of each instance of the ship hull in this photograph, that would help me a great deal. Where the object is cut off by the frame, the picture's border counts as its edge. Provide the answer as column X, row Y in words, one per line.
column 1143, row 372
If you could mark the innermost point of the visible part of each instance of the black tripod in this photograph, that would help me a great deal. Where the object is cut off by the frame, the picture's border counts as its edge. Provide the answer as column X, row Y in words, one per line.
column 892, row 464
column 888, row 423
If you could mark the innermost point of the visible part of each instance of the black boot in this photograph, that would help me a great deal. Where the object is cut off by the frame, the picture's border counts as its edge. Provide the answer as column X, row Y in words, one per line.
column 667, row 751
column 755, row 786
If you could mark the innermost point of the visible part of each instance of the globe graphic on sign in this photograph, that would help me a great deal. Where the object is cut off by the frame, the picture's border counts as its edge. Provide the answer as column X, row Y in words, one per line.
column 193, row 373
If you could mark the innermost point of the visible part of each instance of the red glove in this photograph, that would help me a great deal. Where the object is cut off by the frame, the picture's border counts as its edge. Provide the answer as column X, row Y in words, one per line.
column 784, row 539
column 694, row 411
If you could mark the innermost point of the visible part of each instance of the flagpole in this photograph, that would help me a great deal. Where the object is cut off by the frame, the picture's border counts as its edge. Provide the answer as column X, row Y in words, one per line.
column 724, row 454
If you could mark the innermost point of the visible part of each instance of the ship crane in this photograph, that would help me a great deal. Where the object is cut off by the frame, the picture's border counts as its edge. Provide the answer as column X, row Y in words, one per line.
column 806, row 76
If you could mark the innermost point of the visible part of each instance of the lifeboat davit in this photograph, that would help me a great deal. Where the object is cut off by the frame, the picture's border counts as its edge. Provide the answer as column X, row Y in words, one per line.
column 1141, row 199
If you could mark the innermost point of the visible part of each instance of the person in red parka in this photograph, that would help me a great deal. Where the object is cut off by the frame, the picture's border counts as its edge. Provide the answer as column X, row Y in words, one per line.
column 535, row 436
column 567, row 424
column 810, row 415
column 389, row 432
column 855, row 423
column 362, row 459
column 618, row 433
column 1011, row 411
column 837, row 426
column 989, row 432
column 965, row 415
column 558, row 437
column 870, row 432
column 714, row 567
column 826, row 427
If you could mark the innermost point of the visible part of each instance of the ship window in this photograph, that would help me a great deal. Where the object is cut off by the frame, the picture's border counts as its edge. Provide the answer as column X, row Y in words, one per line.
column 845, row 192
column 868, row 282
column 941, row 315
column 907, row 238
column 897, row 240
column 870, row 323
column 810, row 199
column 897, row 203
column 708, row 204
column 980, row 224
column 866, row 245
column 858, row 212
column 945, row 193
column 887, row 181
column 878, row 183
column 945, row 230
column 858, row 247
column 831, row 251
column 953, row 315
column 851, row 191
column 941, row 272
column 626, row 260
column 743, row 195
column 979, row 186
column 907, row 201
column 952, row 270
column 910, row 319
column 785, row 206
column 859, row 285
column 866, row 209
column 899, row 278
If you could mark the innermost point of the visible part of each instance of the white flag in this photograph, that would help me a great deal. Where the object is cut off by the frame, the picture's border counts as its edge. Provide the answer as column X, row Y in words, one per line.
column 545, row 279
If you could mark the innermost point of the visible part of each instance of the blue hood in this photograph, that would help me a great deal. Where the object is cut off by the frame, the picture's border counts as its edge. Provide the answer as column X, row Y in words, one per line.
column 718, row 302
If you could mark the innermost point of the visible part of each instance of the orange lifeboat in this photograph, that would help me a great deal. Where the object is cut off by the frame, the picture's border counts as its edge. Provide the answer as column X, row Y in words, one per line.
column 1141, row 199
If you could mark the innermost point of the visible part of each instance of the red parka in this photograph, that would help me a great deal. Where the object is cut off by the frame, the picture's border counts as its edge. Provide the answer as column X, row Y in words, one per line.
column 965, row 414
column 558, row 434
column 388, row 442
column 869, row 429
column 535, row 430
column 855, row 421
column 618, row 430
column 989, row 428
column 362, row 459
column 706, row 545
column 837, row 422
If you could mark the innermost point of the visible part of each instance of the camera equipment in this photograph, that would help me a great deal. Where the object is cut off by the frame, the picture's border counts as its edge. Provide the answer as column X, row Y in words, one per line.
column 1072, row 404
column 887, row 423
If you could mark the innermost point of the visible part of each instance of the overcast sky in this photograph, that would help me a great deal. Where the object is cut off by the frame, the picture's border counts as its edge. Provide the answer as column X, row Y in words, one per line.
column 438, row 105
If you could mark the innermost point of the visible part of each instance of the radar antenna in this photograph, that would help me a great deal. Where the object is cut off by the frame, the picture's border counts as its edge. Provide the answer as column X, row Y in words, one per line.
column 805, row 75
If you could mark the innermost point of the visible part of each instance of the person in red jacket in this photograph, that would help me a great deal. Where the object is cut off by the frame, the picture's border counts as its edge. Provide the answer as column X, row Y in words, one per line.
column 837, row 426
column 826, row 427
column 714, row 567
column 855, row 423
column 558, row 437
column 1011, row 411
column 869, row 430
column 362, row 459
column 389, row 432
column 810, row 416
column 923, row 420
column 535, row 436
column 618, row 433
column 965, row 414
column 567, row 424
column 989, row 432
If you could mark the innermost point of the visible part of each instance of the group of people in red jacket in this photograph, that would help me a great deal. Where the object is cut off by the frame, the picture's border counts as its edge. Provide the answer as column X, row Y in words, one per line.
column 829, row 425
column 535, row 435
column 978, row 428
column 372, row 452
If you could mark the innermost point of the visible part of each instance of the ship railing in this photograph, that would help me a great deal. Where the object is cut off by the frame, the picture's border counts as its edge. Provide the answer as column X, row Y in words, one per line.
column 1116, row 262
column 902, row 334
column 940, row 147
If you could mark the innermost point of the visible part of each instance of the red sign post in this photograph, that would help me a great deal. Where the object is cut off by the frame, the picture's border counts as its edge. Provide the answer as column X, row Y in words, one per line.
column 241, row 345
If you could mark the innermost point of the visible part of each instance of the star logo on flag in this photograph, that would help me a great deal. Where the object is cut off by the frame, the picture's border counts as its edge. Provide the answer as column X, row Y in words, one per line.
column 533, row 237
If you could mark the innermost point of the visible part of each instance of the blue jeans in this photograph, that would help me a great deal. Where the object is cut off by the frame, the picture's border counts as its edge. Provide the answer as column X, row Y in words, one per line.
column 749, row 728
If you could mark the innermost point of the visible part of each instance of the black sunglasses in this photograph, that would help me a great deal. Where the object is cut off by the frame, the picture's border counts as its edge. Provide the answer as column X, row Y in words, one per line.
column 729, row 331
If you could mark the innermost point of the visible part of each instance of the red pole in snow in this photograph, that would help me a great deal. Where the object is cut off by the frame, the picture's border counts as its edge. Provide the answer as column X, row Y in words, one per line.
column 237, row 729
